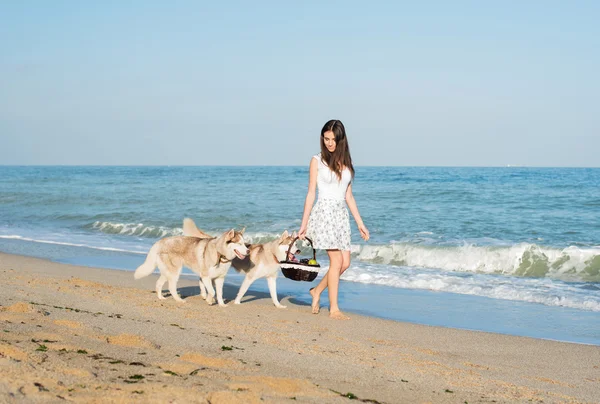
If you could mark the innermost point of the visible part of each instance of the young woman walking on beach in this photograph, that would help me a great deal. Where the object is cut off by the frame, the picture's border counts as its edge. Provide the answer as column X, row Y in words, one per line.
column 327, row 224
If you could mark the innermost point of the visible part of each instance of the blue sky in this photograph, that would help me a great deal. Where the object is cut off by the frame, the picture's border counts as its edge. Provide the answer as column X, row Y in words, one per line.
column 433, row 83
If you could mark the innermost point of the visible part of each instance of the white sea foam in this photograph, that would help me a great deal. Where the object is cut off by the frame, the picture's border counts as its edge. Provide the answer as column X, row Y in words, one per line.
column 543, row 291
column 136, row 229
column 95, row 247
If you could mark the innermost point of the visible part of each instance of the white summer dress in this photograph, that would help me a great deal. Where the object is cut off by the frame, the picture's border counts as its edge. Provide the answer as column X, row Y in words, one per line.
column 329, row 222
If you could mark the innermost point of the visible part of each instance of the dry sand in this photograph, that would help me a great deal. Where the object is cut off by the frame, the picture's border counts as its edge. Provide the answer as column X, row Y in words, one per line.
column 81, row 334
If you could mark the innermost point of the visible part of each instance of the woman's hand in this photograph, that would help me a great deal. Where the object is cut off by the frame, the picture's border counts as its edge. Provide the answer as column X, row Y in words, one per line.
column 364, row 232
column 302, row 232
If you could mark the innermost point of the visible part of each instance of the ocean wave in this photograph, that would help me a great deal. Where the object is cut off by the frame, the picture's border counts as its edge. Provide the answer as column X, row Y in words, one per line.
column 135, row 229
column 543, row 291
column 142, row 230
column 523, row 260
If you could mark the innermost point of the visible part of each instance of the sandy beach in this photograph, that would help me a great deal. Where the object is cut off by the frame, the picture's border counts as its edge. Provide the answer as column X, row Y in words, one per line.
column 83, row 334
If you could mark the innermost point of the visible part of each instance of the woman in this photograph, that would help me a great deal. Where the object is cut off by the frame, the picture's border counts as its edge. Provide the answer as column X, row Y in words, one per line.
column 327, row 224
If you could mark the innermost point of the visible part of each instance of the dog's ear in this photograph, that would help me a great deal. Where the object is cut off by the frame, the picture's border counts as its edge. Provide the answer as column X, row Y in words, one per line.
column 243, row 230
column 284, row 235
column 294, row 235
column 230, row 234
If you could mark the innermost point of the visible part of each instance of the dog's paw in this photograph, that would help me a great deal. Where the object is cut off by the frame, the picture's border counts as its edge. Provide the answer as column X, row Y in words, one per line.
column 237, row 302
column 223, row 305
column 280, row 306
column 210, row 300
column 161, row 297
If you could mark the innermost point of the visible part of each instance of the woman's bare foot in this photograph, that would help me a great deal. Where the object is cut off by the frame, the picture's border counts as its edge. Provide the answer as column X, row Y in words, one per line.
column 338, row 315
column 315, row 301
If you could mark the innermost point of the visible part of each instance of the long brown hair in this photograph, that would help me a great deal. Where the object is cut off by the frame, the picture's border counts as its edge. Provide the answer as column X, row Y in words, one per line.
column 341, row 155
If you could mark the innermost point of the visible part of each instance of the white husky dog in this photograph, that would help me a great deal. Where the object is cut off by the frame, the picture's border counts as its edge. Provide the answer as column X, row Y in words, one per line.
column 209, row 257
column 261, row 262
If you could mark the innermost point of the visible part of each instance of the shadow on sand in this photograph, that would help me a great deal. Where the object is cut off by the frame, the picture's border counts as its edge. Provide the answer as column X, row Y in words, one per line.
column 230, row 292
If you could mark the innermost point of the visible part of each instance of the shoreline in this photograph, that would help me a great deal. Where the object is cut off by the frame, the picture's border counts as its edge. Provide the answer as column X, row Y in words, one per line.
column 252, row 352
column 416, row 306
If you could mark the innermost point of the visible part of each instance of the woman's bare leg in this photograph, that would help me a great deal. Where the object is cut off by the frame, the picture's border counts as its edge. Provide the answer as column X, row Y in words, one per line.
column 316, row 291
column 333, row 281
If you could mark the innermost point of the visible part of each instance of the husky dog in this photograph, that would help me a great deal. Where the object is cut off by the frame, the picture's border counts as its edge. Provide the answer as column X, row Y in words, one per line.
column 261, row 262
column 209, row 257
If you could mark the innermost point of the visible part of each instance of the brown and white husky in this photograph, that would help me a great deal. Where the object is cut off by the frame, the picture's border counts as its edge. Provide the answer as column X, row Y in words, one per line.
column 209, row 257
column 262, row 261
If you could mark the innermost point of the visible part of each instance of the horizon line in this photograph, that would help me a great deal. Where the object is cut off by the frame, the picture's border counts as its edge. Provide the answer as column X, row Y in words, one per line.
column 282, row 165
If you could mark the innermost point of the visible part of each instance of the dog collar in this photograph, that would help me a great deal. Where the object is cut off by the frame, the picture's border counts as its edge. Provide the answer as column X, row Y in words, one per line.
column 223, row 260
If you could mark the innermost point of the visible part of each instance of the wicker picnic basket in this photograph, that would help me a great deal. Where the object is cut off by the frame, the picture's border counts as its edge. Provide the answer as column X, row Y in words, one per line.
column 301, row 270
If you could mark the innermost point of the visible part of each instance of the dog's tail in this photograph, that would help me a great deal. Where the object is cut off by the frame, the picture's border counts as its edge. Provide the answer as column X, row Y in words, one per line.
column 149, row 265
column 191, row 230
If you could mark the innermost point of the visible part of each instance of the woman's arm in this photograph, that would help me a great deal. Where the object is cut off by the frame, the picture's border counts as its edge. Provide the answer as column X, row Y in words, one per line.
column 310, row 196
column 364, row 232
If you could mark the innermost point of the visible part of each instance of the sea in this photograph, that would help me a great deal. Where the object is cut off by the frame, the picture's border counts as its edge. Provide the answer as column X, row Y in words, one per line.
column 511, row 250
